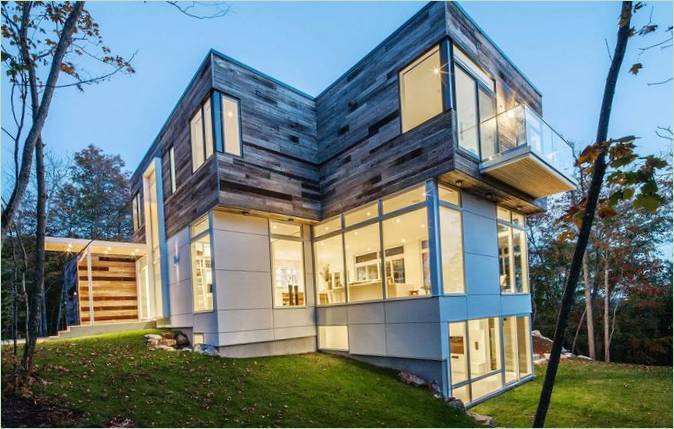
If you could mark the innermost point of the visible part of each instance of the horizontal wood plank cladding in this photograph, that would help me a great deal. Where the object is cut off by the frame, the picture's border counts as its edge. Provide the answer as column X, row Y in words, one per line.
column 365, row 100
column 374, row 169
column 196, row 192
column 246, row 186
column 197, row 195
column 272, row 116
column 278, row 170
column 511, row 87
column 114, row 289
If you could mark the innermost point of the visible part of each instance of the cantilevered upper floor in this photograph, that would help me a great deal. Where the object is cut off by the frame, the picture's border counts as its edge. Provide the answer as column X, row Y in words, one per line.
column 436, row 99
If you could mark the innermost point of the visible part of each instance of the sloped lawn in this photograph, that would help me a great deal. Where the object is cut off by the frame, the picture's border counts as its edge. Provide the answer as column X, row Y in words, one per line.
column 98, row 379
column 591, row 394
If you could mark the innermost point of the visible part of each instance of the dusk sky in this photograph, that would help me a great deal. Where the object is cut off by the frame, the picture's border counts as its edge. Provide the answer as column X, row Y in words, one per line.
column 560, row 47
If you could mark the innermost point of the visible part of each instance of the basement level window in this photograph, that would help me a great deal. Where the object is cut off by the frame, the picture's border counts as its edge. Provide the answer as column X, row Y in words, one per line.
column 421, row 89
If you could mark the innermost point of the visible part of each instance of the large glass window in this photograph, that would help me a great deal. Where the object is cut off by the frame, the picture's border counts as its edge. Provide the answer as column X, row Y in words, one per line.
column 330, row 284
column 458, row 352
column 287, row 257
column 407, row 264
column 421, row 90
column 451, row 243
column 218, row 114
column 363, row 263
column 466, row 110
column 475, row 355
column 475, row 358
column 202, row 272
column 404, row 199
column 512, row 251
column 517, row 347
column 475, row 106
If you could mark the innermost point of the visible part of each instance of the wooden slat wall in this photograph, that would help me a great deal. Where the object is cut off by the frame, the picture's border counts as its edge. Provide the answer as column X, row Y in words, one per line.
column 114, row 289
column 278, row 171
column 315, row 157
column 196, row 192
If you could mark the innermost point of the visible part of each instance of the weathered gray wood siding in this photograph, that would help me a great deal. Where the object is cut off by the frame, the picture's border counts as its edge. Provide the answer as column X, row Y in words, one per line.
column 312, row 158
column 195, row 192
column 363, row 153
column 278, row 170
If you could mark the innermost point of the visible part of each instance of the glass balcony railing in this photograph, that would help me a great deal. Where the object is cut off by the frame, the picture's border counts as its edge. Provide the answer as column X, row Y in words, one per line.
column 521, row 129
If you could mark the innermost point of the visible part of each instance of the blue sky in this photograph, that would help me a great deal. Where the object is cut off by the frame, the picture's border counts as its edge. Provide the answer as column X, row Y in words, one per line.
column 560, row 47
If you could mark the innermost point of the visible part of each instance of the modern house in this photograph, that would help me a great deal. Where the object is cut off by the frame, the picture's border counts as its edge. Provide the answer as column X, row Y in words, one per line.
column 383, row 219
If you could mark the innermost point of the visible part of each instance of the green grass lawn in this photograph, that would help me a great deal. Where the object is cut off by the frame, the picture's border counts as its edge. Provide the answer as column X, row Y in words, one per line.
column 117, row 376
column 591, row 394
column 91, row 381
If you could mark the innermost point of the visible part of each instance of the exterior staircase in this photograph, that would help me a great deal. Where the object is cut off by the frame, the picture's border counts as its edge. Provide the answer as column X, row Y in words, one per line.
column 77, row 331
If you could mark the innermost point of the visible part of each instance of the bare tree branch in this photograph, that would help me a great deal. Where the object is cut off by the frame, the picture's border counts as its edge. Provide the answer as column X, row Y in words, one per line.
column 189, row 8
column 659, row 83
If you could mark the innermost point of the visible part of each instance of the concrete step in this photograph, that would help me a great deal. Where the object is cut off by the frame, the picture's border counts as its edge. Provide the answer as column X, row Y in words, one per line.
column 77, row 331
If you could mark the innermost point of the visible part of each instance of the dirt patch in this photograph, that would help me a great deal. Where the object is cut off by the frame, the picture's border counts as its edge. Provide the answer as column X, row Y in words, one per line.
column 18, row 411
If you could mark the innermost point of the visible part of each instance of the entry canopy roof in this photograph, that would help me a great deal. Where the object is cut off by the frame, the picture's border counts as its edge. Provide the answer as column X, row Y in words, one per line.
column 76, row 245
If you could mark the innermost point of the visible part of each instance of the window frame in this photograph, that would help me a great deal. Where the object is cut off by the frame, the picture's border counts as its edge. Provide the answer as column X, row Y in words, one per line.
column 219, row 141
column 200, row 111
column 301, row 239
column 444, row 84
column 196, row 237
column 510, row 225
column 427, row 204
column 136, row 212
column 172, row 169
column 217, row 137
column 469, row 377
column 479, row 84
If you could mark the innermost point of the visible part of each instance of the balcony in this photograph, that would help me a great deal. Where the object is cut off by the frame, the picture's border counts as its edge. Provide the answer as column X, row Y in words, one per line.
column 526, row 153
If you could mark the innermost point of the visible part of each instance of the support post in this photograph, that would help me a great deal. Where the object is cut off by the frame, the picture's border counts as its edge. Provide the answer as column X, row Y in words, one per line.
column 90, row 286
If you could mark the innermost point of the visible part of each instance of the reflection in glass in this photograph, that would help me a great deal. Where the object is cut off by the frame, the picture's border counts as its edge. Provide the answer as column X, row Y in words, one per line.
column 504, row 245
column 330, row 271
column 406, row 248
column 363, row 263
column 287, row 273
column 452, row 250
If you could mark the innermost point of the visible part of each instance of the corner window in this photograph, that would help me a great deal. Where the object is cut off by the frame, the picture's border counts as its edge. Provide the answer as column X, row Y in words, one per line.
column 287, row 255
column 421, row 90
column 512, row 252
column 136, row 208
column 475, row 358
column 202, row 272
column 201, row 133
column 172, row 168
column 230, row 124
column 475, row 106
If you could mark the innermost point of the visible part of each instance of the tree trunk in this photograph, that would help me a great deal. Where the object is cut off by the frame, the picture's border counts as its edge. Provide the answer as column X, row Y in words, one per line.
column 607, row 304
column 575, row 337
column 598, row 172
column 40, row 114
column 588, row 309
column 37, row 291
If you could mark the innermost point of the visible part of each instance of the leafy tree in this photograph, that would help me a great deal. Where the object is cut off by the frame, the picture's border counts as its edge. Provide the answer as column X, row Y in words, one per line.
column 637, row 186
column 94, row 203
